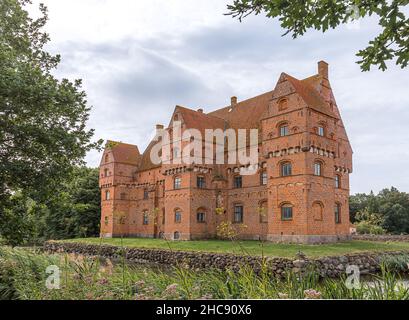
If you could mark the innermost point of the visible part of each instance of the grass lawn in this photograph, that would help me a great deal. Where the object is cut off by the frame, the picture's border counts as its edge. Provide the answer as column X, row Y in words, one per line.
column 254, row 247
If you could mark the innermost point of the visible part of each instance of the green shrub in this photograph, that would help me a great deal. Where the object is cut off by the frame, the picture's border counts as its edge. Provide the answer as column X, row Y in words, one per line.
column 365, row 227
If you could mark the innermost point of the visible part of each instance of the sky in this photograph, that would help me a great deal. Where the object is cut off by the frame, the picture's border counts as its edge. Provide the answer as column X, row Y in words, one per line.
column 139, row 59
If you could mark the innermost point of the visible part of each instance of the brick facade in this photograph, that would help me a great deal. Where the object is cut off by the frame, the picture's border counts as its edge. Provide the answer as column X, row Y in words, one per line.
column 299, row 193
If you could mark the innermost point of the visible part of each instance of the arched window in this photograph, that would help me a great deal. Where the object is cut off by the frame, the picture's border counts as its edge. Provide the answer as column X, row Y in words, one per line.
column 178, row 216
column 177, row 183
column 318, row 168
column 145, row 194
column 337, row 211
column 238, row 214
column 317, row 211
column 176, row 235
column 237, row 182
column 337, row 181
column 201, row 215
column 106, row 158
column 263, row 178
column 284, row 130
column 107, row 195
column 286, row 169
column 145, row 218
column 286, row 212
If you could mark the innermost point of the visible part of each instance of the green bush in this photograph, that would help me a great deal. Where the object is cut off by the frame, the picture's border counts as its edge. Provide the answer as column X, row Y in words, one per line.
column 365, row 227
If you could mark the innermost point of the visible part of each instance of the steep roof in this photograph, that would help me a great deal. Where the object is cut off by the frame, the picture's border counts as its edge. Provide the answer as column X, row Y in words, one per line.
column 200, row 120
column 145, row 162
column 308, row 90
column 245, row 114
column 124, row 152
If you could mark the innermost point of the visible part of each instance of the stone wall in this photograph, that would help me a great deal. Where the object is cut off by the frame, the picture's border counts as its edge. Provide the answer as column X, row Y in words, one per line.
column 383, row 238
column 325, row 266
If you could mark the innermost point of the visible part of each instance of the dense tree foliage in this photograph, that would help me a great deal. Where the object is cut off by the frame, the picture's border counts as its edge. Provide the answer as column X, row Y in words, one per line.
column 43, row 131
column 43, row 138
column 72, row 211
column 389, row 210
column 298, row 16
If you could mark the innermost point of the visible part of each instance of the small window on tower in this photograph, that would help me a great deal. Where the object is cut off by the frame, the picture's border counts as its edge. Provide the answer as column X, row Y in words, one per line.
column 177, row 184
column 284, row 130
column 107, row 195
column 321, row 131
column 286, row 169
column 263, row 178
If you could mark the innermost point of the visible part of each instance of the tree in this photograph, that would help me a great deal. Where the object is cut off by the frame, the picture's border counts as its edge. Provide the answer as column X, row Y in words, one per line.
column 296, row 17
column 389, row 211
column 74, row 211
column 43, row 131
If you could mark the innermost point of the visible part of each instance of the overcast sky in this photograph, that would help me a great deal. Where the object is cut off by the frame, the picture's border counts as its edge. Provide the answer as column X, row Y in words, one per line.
column 138, row 59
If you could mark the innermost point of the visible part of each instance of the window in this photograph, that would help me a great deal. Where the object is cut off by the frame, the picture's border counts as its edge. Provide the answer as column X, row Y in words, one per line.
column 178, row 216
column 317, row 168
column 145, row 218
column 238, row 182
column 145, row 194
column 177, row 183
column 284, row 131
column 238, row 214
column 263, row 178
column 286, row 169
column 201, row 182
column 201, row 217
column 105, row 172
column 176, row 235
column 163, row 216
column 107, row 195
column 106, row 221
column 337, row 181
column 321, row 131
column 337, row 213
column 123, row 196
column 106, row 158
column 286, row 212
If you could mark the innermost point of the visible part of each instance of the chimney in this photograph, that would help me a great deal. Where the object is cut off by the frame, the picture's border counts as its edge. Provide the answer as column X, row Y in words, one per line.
column 233, row 101
column 159, row 127
column 200, row 110
column 323, row 69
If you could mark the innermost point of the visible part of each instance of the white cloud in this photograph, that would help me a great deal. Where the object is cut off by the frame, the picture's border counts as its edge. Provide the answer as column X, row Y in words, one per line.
column 140, row 58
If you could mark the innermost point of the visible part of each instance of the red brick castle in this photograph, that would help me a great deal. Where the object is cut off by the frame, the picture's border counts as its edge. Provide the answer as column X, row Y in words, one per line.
column 299, row 192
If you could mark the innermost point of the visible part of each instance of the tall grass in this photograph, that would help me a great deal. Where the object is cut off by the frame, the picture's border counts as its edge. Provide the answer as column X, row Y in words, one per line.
column 23, row 276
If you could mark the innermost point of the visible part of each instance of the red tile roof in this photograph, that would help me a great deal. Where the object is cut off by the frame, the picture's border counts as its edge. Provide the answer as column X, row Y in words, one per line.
column 244, row 115
column 124, row 152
